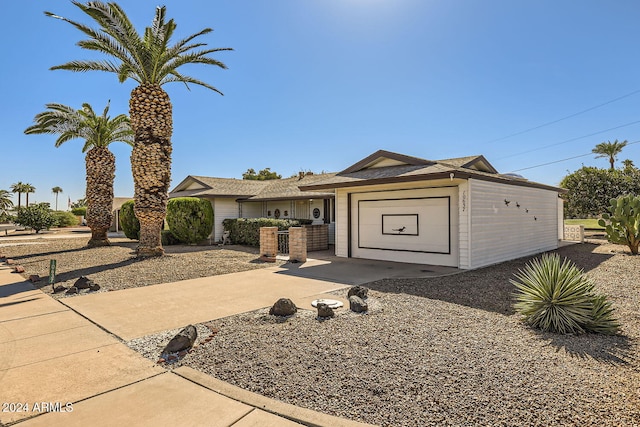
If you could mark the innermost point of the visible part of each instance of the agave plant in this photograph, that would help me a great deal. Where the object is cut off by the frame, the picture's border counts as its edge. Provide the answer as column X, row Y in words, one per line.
column 557, row 297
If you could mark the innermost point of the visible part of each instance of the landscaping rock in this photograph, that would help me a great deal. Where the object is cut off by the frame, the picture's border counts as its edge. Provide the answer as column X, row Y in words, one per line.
column 324, row 310
column 94, row 287
column 34, row 278
column 18, row 269
column 283, row 307
column 10, row 261
column 83, row 283
column 359, row 291
column 72, row 290
column 58, row 289
column 182, row 341
column 357, row 304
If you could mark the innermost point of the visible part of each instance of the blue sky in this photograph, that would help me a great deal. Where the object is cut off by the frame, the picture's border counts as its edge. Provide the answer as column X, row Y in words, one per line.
column 320, row 84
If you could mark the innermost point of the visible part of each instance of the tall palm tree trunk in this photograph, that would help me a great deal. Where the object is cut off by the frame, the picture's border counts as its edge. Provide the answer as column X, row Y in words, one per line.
column 151, row 120
column 101, row 168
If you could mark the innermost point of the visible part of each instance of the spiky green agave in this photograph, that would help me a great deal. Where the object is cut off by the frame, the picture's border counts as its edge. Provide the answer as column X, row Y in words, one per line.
column 557, row 297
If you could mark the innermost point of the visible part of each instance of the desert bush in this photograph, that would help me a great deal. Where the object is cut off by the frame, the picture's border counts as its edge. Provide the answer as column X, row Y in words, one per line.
column 168, row 238
column 79, row 211
column 246, row 231
column 190, row 219
column 128, row 221
column 622, row 223
column 590, row 189
column 65, row 219
column 37, row 216
column 558, row 297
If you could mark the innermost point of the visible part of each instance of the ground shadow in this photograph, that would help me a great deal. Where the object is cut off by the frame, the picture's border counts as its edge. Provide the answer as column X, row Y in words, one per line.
column 15, row 288
column 76, row 274
column 486, row 288
column 613, row 349
column 17, row 302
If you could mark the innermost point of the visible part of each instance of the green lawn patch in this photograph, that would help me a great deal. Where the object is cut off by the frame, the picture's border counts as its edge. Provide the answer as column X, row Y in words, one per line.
column 588, row 223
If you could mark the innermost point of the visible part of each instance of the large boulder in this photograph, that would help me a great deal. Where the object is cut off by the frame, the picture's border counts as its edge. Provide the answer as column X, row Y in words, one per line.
column 182, row 341
column 357, row 304
column 359, row 291
column 283, row 307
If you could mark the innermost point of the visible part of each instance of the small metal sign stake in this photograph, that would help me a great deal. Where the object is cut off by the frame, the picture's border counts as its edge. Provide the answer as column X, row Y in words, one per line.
column 52, row 273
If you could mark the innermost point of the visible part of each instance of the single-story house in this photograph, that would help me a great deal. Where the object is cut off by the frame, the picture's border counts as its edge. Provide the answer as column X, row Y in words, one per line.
column 280, row 198
column 455, row 212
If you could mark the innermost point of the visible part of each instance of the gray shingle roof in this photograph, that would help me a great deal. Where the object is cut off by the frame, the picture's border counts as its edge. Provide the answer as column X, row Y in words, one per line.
column 276, row 189
column 288, row 188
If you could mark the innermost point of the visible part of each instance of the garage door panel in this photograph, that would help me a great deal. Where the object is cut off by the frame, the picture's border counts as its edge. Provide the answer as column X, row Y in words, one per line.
column 411, row 224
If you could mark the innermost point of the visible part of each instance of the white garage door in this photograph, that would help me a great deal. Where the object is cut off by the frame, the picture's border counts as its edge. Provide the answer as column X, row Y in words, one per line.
column 409, row 226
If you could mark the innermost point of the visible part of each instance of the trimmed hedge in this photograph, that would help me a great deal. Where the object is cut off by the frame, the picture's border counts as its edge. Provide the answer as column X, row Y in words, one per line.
column 128, row 221
column 246, row 231
column 65, row 219
column 79, row 211
column 168, row 238
column 190, row 219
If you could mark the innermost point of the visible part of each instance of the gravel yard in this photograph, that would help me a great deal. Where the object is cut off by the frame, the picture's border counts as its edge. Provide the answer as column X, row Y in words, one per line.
column 442, row 351
column 434, row 351
column 115, row 267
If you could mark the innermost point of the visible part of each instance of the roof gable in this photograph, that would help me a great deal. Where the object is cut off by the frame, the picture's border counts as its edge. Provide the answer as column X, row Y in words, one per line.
column 478, row 163
column 383, row 158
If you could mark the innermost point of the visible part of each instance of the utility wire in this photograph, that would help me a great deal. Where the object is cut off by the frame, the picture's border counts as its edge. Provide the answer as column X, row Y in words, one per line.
column 564, row 118
column 568, row 140
column 564, row 160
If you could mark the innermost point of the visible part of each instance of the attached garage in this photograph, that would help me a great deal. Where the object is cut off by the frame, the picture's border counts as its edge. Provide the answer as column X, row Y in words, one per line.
column 456, row 212
column 405, row 225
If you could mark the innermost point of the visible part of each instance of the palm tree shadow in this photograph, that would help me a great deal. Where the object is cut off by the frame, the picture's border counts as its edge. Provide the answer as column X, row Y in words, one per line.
column 76, row 274
column 611, row 349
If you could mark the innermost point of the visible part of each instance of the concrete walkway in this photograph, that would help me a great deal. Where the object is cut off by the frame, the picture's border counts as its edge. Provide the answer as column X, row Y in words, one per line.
column 57, row 368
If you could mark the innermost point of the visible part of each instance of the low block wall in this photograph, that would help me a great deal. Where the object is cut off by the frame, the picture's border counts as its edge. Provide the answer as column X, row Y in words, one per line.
column 317, row 237
column 574, row 233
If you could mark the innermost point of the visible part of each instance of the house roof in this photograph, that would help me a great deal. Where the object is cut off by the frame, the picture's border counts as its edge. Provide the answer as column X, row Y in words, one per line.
column 253, row 190
column 383, row 167
column 289, row 188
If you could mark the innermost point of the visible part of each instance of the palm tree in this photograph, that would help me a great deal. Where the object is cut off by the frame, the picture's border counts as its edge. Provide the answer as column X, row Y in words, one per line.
column 5, row 203
column 150, row 61
column 610, row 150
column 56, row 191
column 19, row 188
column 98, row 132
column 28, row 188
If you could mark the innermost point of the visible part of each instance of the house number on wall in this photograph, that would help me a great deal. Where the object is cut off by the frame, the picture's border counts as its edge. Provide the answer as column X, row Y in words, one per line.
column 464, row 201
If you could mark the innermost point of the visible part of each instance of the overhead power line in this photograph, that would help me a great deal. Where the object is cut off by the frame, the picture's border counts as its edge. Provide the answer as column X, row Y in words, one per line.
column 564, row 160
column 564, row 118
column 569, row 140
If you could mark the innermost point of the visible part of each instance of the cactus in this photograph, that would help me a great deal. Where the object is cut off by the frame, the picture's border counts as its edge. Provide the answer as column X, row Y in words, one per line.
column 622, row 223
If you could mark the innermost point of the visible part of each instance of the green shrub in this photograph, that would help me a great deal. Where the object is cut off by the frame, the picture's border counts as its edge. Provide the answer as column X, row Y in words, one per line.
column 168, row 238
column 622, row 223
column 128, row 221
column 558, row 297
column 79, row 211
column 36, row 216
column 65, row 219
column 190, row 219
column 590, row 189
column 246, row 231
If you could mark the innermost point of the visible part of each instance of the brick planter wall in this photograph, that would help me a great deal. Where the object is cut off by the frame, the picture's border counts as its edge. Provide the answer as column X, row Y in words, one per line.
column 317, row 237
